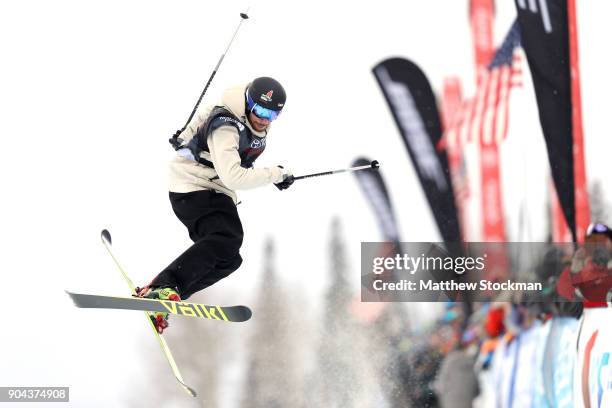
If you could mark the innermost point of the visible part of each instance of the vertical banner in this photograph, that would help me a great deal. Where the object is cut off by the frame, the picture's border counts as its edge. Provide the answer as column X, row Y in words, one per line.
column 559, row 228
column 581, row 192
column 412, row 102
column 493, row 228
column 489, row 125
column 451, row 108
column 373, row 187
column 494, row 83
column 552, row 55
column 375, row 190
column 481, row 23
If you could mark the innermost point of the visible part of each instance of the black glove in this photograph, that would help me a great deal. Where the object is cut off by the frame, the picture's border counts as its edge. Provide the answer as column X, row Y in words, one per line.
column 175, row 140
column 286, row 183
column 288, row 180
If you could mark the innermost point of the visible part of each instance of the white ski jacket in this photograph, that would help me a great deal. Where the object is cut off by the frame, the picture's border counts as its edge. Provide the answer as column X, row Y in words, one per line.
column 188, row 175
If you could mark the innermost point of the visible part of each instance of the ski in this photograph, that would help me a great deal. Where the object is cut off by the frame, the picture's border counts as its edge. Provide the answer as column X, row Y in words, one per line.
column 212, row 312
column 106, row 240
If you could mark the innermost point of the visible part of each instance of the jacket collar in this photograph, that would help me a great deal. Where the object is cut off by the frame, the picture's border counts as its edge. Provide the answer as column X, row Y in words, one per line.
column 234, row 100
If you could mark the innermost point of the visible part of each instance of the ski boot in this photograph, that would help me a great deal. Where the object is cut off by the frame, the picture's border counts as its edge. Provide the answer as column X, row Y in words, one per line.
column 159, row 319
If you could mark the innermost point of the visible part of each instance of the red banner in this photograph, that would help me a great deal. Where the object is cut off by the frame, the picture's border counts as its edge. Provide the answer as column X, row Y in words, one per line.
column 451, row 106
column 493, row 228
column 481, row 18
column 580, row 186
column 481, row 21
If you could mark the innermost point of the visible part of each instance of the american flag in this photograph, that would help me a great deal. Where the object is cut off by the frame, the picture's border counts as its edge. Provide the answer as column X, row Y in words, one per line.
column 485, row 116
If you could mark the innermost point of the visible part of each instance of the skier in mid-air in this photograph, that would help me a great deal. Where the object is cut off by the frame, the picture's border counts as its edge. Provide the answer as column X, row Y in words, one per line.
column 215, row 157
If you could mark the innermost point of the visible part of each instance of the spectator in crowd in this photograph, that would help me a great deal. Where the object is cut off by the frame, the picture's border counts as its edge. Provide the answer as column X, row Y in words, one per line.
column 591, row 268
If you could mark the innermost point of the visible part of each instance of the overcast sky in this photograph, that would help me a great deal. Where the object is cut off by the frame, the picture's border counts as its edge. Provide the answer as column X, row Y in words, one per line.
column 91, row 90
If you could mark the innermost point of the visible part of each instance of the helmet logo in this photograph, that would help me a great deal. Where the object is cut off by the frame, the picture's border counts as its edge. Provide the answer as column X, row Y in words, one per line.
column 267, row 96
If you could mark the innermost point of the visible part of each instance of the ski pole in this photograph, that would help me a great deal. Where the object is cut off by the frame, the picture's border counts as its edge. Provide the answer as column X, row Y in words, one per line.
column 373, row 165
column 173, row 140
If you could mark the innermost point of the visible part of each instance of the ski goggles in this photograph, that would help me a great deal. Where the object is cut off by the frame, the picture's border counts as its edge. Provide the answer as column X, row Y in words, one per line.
column 598, row 228
column 260, row 111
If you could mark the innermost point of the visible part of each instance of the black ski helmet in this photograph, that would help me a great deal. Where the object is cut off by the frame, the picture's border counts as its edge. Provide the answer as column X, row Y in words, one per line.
column 267, row 92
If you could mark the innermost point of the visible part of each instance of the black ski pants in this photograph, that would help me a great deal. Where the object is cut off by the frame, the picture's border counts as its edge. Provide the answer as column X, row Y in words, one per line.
column 215, row 228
